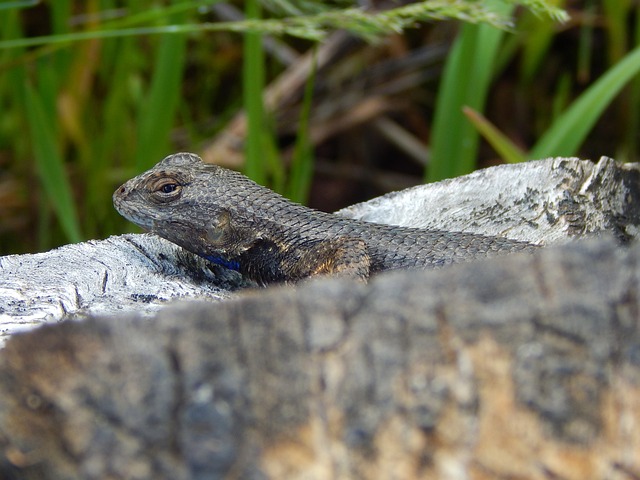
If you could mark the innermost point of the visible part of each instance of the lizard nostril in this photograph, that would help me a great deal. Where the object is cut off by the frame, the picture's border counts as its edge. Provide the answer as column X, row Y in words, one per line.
column 122, row 190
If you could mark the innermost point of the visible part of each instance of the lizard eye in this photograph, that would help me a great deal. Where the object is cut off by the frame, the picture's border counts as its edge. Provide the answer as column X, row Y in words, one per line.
column 168, row 188
column 165, row 189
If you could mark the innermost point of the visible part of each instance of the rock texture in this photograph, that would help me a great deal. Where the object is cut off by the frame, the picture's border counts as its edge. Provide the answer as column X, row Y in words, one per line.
column 541, row 202
column 525, row 366
column 120, row 274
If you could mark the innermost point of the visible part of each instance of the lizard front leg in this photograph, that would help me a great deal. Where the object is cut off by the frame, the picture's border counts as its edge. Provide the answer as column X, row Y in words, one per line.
column 268, row 259
column 343, row 256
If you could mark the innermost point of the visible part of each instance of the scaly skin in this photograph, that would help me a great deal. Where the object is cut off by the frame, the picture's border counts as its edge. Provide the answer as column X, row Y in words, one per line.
column 230, row 220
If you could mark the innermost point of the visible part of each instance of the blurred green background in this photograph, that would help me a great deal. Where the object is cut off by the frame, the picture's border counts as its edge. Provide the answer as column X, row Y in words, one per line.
column 344, row 101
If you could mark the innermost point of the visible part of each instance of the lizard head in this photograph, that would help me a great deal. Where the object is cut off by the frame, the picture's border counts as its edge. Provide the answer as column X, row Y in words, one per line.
column 188, row 202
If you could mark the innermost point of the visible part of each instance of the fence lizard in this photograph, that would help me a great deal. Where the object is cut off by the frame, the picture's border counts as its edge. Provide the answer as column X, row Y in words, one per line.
column 232, row 221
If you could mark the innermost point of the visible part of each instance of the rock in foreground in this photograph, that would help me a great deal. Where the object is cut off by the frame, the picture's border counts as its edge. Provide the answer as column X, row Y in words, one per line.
column 519, row 367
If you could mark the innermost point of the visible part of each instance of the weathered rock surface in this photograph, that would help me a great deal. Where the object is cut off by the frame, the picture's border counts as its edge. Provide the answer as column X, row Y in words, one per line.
column 526, row 366
column 120, row 274
column 540, row 202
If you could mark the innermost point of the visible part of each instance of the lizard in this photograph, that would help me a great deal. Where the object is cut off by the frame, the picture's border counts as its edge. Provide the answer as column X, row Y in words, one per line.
column 226, row 218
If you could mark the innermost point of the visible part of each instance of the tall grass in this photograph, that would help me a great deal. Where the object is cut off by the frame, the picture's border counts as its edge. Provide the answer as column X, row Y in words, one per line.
column 572, row 127
column 94, row 92
column 572, row 123
column 465, row 83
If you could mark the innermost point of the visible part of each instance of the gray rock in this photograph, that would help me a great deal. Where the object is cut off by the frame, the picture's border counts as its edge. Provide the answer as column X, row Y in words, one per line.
column 120, row 274
column 541, row 202
column 523, row 366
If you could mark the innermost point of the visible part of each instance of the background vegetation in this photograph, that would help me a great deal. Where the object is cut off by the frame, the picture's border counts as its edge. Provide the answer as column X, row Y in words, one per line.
column 342, row 103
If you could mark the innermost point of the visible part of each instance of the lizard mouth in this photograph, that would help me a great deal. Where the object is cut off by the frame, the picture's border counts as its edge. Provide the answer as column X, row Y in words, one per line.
column 139, row 220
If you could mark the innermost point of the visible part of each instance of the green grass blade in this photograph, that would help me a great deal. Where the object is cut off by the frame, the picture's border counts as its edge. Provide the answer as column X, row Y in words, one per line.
column 562, row 96
column 253, row 76
column 535, row 46
column 630, row 144
column 272, row 159
column 500, row 142
column 158, row 112
column 616, row 13
column 571, row 128
column 465, row 82
column 585, row 47
column 50, row 165
column 302, row 164
column 18, row 4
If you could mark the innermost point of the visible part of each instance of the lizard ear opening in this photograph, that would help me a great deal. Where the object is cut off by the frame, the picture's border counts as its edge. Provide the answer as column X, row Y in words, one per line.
column 219, row 227
column 224, row 235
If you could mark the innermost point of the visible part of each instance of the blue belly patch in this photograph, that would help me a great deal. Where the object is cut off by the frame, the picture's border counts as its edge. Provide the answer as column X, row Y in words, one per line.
column 230, row 264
